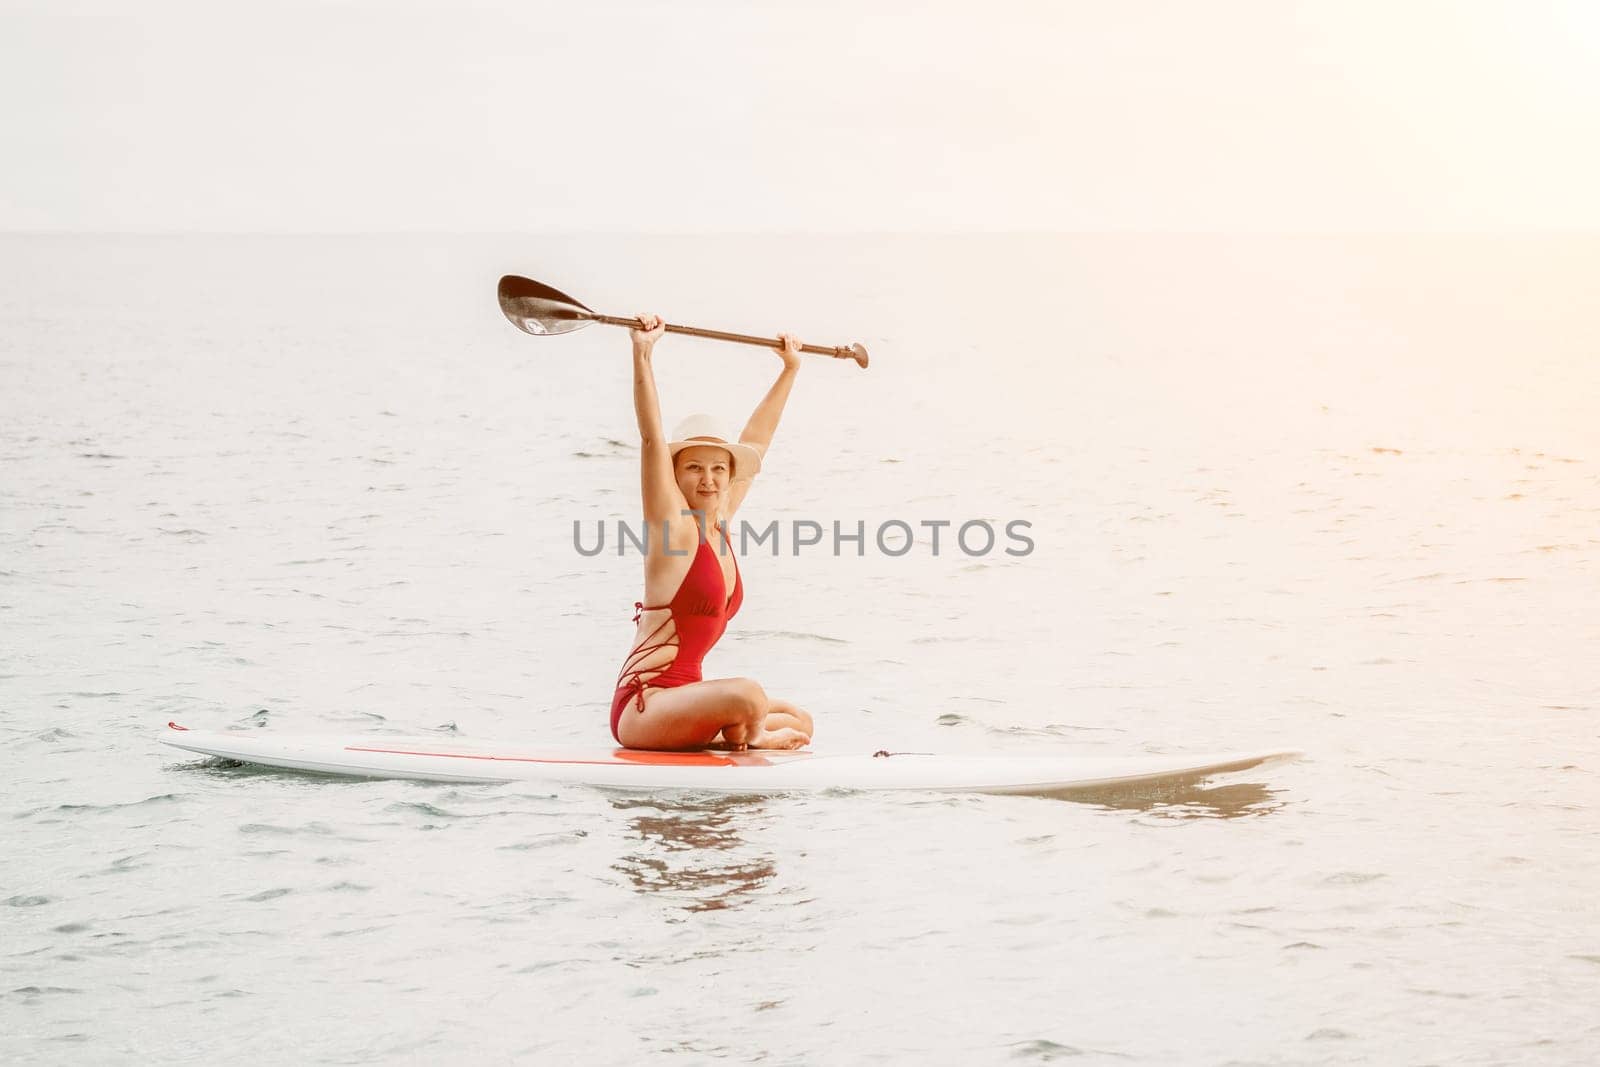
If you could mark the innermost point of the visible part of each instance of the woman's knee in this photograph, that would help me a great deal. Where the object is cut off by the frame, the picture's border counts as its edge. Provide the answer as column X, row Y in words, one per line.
column 799, row 714
column 752, row 699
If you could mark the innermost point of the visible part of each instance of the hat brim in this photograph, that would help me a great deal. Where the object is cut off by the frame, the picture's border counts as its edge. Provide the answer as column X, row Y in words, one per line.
column 746, row 459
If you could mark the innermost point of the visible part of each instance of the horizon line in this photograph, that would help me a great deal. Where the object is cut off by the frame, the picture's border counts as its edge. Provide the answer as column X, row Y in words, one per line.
column 812, row 232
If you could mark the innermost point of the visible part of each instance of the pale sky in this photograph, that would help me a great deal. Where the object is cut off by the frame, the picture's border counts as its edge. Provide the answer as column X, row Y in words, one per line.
column 1231, row 115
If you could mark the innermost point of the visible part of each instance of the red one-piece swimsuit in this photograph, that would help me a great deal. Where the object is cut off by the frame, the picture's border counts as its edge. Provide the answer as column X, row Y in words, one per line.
column 700, row 613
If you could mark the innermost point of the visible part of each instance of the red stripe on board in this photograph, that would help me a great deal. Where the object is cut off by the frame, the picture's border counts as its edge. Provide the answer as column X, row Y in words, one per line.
column 622, row 757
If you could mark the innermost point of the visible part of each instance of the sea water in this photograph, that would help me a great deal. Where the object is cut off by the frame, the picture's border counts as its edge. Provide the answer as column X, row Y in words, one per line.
column 1337, row 494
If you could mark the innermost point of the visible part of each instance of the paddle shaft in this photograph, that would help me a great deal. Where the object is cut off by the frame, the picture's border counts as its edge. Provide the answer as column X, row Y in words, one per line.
column 741, row 338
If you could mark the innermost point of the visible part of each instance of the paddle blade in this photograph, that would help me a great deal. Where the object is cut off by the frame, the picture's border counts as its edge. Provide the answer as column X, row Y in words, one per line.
column 538, row 309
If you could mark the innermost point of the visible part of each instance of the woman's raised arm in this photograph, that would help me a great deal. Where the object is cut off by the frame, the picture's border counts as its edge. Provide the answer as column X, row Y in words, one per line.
column 662, row 500
column 763, row 424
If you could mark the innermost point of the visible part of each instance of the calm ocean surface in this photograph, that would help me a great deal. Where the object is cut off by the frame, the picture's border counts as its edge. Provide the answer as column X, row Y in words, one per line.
column 1339, row 494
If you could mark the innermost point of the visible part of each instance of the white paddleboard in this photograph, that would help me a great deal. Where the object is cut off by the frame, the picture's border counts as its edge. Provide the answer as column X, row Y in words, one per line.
column 441, row 760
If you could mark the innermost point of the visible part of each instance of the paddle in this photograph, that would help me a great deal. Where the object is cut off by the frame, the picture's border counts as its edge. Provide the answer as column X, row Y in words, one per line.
column 540, row 310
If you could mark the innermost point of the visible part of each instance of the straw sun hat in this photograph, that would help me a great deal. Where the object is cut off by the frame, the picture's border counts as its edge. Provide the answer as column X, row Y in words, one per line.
column 706, row 430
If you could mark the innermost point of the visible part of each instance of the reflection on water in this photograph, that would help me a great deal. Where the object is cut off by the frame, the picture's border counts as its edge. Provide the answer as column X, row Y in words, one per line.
column 692, row 849
column 1184, row 798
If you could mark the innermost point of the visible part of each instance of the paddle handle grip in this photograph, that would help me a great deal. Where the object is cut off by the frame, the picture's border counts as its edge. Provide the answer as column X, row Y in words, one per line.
column 853, row 352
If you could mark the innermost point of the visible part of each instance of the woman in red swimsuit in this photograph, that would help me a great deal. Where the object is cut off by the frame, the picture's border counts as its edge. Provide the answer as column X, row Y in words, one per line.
column 692, row 486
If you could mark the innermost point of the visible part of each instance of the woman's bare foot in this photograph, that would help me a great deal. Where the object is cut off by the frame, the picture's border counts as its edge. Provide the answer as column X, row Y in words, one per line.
column 786, row 738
